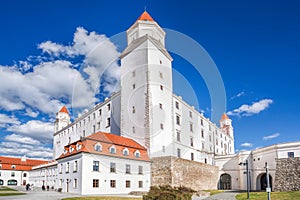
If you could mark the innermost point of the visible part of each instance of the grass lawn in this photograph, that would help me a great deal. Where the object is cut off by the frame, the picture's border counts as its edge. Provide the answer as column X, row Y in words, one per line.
column 212, row 192
column 274, row 196
column 6, row 191
column 101, row 198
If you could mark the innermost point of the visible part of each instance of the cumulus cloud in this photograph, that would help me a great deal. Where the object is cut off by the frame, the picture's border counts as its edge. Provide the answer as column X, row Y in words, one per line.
column 238, row 95
column 21, row 139
column 246, row 144
column 270, row 137
column 31, row 113
column 249, row 110
column 41, row 131
column 6, row 120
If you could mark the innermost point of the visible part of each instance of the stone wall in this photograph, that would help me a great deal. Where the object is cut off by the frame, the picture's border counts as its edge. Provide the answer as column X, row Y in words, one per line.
column 287, row 176
column 176, row 172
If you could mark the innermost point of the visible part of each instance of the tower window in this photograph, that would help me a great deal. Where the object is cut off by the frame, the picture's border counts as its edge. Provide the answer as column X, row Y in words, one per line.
column 161, row 87
column 160, row 106
column 202, row 133
column 191, row 127
column 191, row 114
column 162, row 126
column 133, row 86
column 108, row 107
column 133, row 109
column 192, row 141
column 178, row 153
column 177, row 119
column 178, row 136
column 176, row 104
column 201, row 122
column 133, row 129
column 161, row 75
column 100, row 112
column 160, row 62
column 192, row 156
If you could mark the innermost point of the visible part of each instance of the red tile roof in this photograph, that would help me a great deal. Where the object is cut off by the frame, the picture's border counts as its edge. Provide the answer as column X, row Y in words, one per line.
column 224, row 116
column 64, row 109
column 7, row 162
column 107, row 140
column 145, row 17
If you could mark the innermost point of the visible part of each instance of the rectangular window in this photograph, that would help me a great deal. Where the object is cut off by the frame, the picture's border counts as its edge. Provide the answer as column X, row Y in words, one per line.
column 178, row 136
column 94, row 128
column 202, row 145
column 201, row 122
column 112, row 167
column 140, row 184
column 98, row 125
column 127, row 183
column 113, row 183
column 89, row 118
column 161, row 126
column 163, row 149
column 191, row 114
column 291, row 155
column 108, row 107
column 191, row 127
column 12, row 174
column 75, row 183
column 210, row 138
column 60, row 168
column 177, row 119
column 160, row 106
column 67, row 167
column 95, row 183
column 94, row 115
column 192, row 141
column 178, row 153
column 133, row 86
column 192, row 156
column 161, row 87
column 133, row 74
column 161, row 75
column 75, row 166
column 127, row 169
column 95, row 165
column 100, row 112
column 140, row 170
column 177, row 104
column 202, row 133
column 24, row 175
column 108, row 122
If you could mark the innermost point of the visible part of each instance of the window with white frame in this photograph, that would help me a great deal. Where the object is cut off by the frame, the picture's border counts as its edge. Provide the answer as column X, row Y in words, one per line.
column 112, row 150
column 127, row 169
column 95, row 165
column 137, row 154
column 67, row 167
column 75, row 168
column 75, row 183
column 125, row 152
column 98, row 147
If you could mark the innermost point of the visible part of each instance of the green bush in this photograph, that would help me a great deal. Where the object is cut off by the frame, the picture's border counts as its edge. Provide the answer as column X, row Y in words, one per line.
column 167, row 192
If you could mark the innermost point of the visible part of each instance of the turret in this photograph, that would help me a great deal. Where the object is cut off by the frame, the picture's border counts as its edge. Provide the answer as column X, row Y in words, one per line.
column 62, row 119
column 226, row 125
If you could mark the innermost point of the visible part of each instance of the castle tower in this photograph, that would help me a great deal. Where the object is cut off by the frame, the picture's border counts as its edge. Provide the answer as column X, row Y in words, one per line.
column 62, row 119
column 146, row 86
column 226, row 125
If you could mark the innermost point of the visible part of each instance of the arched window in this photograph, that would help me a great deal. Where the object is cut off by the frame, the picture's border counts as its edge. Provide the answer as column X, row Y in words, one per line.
column 112, row 150
column 98, row 147
column 78, row 146
column 137, row 154
column 125, row 152
column 13, row 166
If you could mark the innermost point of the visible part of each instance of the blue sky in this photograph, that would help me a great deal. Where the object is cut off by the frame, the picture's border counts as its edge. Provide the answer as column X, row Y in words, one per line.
column 254, row 44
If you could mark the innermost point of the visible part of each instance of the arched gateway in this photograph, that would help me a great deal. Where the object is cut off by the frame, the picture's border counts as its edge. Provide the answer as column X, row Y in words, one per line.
column 225, row 182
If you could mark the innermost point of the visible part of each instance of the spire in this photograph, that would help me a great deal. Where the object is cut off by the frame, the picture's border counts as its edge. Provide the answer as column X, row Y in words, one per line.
column 224, row 116
column 64, row 109
column 146, row 17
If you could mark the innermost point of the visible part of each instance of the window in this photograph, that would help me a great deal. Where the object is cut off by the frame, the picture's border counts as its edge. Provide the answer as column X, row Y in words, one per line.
column 60, row 168
column 95, row 183
column 163, row 149
column 177, row 119
column 161, row 75
column 95, row 166
column 201, row 122
column 127, row 169
column 162, row 126
column 24, row 175
column 216, row 141
column 98, row 125
column 108, row 107
column 191, row 127
column 108, row 122
column 94, row 128
column 133, row 129
column 210, row 138
column 83, row 133
column 133, row 86
column 70, row 142
column 133, row 109
column 202, row 133
column 12, row 174
column 98, row 147
column 177, row 104
column 89, row 118
column 84, row 122
column 140, row 170
column 137, row 154
column 140, row 184
column 160, row 62
column 191, row 114
column 160, row 106
column 60, row 182
column 75, row 166
column 205, row 160
column 291, row 155
column 178, row 136
column 178, row 153
column 202, row 145
column 133, row 74
column 78, row 146
column 100, row 112
column 192, row 141
column 94, row 115
column 113, row 183
column 75, row 183
column 13, row 166
column 112, row 167
column 126, row 152
column 112, row 150
column 192, row 156
column 161, row 87
column 127, row 183
column 67, row 167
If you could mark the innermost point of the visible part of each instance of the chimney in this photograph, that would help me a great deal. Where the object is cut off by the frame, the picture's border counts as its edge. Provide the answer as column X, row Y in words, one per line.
column 23, row 159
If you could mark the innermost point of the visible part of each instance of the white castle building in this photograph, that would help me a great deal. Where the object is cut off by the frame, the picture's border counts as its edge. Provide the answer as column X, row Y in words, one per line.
column 146, row 109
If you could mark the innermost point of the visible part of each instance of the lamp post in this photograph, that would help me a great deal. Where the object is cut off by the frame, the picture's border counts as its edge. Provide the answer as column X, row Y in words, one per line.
column 268, row 181
column 247, row 173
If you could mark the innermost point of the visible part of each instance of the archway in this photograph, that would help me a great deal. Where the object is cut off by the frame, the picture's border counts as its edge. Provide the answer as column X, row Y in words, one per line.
column 1, row 182
column 225, row 182
column 262, row 181
column 12, row 182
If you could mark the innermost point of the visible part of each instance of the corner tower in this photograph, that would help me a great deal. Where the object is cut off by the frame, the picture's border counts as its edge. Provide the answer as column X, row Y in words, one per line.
column 146, row 87
column 62, row 119
column 226, row 125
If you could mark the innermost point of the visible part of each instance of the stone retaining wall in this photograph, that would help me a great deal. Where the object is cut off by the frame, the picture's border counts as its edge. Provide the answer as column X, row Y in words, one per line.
column 176, row 172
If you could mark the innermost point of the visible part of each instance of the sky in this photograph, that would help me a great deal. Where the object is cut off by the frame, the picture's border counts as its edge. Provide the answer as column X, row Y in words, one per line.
column 51, row 56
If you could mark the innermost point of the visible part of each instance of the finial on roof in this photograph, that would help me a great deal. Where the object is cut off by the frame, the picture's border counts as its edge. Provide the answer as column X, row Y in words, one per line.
column 145, row 8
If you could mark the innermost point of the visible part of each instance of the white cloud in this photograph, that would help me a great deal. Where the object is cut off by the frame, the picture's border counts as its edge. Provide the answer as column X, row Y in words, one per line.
column 6, row 120
column 31, row 113
column 255, row 108
column 269, row 137
column 21, row 139
column 238, row 95
column 246, row 144
column 41, row 131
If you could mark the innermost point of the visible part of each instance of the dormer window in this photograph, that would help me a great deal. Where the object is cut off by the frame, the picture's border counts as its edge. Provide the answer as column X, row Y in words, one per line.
column 112, row 150
column 137, row 154
column 78, row 147
column 98, row 147
column 125, row 152
column 71, row 149
column 65, row 151
column 0, row 166
column 13, row 166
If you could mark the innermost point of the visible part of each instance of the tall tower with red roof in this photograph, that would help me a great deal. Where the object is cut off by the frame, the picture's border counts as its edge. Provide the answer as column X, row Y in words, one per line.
column 226, row 125
column 62, row 119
